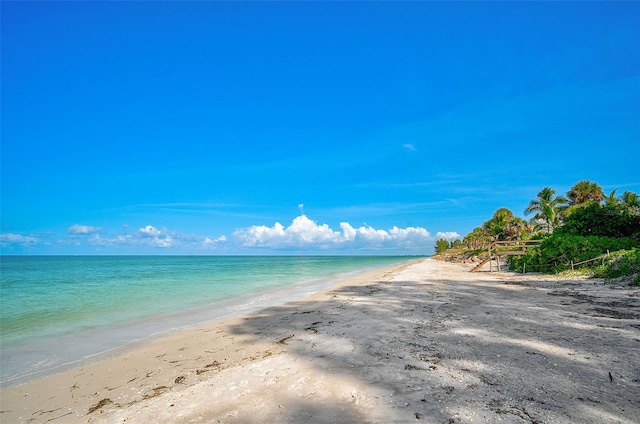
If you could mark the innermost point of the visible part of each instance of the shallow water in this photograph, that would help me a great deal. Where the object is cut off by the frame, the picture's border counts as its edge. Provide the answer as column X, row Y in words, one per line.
column 59, row 311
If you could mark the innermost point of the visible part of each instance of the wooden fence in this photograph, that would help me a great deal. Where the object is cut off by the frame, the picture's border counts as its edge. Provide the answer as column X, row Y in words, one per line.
column 603, row 257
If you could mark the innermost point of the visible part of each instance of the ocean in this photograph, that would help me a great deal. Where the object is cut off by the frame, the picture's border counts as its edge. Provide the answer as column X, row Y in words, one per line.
column 61, row 311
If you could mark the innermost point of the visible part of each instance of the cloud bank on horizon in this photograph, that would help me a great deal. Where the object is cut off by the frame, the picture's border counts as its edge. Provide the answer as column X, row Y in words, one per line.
column 302, row 235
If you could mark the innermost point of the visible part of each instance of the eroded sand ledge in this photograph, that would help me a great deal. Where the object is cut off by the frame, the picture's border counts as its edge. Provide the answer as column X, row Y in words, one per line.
column 425, row 341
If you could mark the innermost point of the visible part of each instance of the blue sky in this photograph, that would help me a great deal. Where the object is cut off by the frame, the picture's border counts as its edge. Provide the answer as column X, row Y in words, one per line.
column 201, row 127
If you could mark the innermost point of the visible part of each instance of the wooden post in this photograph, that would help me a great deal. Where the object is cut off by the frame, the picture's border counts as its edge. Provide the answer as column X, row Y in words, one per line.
column 490, row 261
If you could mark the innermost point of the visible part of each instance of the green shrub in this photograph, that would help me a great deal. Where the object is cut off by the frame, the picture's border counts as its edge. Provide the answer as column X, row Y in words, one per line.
column 603, row 220
column 456, row 244
column 621, row 264
column 558, row 251
column 441, row 245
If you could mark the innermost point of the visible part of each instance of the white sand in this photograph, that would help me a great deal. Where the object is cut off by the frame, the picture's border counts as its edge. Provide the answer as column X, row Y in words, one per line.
column 426, row 342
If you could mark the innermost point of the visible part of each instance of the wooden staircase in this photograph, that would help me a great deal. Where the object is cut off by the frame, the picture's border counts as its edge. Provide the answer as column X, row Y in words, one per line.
column 498, row 249
column 481, row 264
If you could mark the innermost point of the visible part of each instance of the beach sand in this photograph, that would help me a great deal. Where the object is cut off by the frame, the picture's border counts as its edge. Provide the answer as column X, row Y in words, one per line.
column 425, row 341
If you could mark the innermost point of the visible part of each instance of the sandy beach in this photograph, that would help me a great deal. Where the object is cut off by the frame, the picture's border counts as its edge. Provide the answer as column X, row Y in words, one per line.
column 425, row 341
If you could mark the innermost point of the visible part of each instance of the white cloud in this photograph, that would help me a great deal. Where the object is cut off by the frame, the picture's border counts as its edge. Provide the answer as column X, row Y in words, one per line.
column 78, row 229
column 410, row 147
column 166, row 241
column 210, row 243
column 7, row 240
column 220, row 239
column 449, row 235
column 303, row 232
column 148, row 236
column 149, row 231
column 115, row 241
column 152, row 237
column 367, row 236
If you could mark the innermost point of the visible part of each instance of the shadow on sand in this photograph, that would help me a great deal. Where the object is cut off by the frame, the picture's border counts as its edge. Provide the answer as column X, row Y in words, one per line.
column 460, row 351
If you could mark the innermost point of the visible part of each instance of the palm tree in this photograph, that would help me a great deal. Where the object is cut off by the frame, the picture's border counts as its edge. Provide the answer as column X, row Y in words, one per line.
column 498, row 223
column 547, row 207
column 611, row 199
column 630, row 198
column 518, row 229
column 479, row 238
column 585, row 192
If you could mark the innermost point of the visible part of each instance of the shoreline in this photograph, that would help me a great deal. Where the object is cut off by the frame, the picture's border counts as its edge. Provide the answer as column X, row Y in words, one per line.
column 116, row 338
column 422, row 340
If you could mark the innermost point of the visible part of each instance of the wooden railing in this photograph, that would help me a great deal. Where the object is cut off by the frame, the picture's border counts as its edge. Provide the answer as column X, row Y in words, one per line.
column 603, row 257
column 519, row 247
column 505, row 248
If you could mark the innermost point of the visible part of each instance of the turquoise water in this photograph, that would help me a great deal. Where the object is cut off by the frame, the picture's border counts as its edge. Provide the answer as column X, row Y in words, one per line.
column 57, row 311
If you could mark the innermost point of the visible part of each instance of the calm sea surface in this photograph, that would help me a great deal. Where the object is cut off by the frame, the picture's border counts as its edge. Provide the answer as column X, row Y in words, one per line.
column 59, row 311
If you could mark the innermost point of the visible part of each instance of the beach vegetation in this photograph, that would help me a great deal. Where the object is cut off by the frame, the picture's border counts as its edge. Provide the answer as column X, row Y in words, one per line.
column 630, row 199
column 441, row 245
column 585, row 192
column 548, row 209
column 477, row 239
column 605, row 220
column 502, row 226
column 624, row 263
column 611, row 199
column 499, row 227
column 558, row 252
column 585, row 229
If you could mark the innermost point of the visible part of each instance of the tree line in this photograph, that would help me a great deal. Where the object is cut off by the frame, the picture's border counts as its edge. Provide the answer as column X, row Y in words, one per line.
column 582, row 223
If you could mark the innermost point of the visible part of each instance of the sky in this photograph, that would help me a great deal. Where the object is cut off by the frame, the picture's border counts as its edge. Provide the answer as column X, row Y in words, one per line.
column 304, row 127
